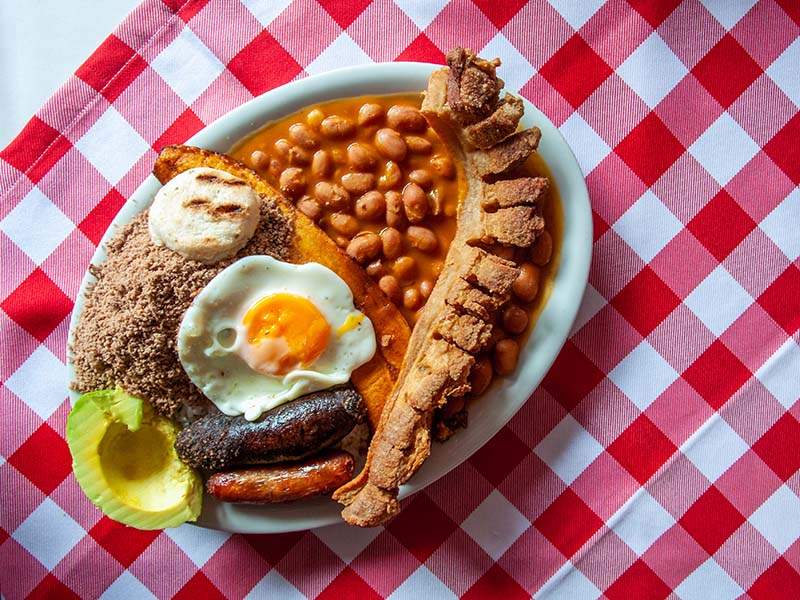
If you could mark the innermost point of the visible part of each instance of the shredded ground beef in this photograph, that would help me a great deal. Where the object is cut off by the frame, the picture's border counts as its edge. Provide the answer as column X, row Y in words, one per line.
column 127, row 332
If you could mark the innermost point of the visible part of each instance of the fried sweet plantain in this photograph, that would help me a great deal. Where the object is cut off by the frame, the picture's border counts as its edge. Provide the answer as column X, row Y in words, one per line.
column 373, row 380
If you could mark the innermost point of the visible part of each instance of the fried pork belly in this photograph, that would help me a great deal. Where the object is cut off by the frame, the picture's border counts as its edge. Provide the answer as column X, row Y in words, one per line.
column 522, row 191
column 463, row 105
column 474, row 89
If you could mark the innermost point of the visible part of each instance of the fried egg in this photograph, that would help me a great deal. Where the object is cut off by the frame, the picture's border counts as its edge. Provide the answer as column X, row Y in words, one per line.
column 264, row 332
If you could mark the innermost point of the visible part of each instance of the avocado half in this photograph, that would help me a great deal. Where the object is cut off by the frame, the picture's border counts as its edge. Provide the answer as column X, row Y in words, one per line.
column 123, row 456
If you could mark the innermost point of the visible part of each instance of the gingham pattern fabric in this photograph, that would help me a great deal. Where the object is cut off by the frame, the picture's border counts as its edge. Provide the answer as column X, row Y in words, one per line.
column 660, row 455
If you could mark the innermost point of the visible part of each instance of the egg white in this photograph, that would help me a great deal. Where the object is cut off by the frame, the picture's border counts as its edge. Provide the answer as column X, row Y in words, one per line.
column 211, row 334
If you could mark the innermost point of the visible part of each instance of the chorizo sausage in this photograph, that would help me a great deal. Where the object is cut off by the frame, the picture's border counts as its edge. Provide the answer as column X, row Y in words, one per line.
column 320, row 474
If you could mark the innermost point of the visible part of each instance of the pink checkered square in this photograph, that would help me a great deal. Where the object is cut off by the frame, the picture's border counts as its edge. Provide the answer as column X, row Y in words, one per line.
column 547, row 412
column 17, row 267
column 602, row 108
column 686, row 187
column 460, row 23
column 679, row 411
column 15, row 191
column 678, row 486
column 749, row 32
column 105, row 569
column 170, row 106
column 28, row 497
column 674, row 556
column 615, row 49
column 235, row 555
column 67, row 265
column 748, row 483
column 80, row 126
column 760, row 168
column 591, row 412
column 532, row 471
column 614, row 264
column 148, row 567
column 208, row 107
column 448, row 561
column 474, row 488
column 23, row 341
column 698, row 338
column 688, row 98
column 752, row 337
column 547, row 99
column 756, row 278
column 71, row 499
column 748, row 424
column 539, row 44
column 225, row 27
column 517, row 564
column 294, row 567
column 385, row 564
column 72, row 201
column 303, row 49
column 80, row 93
column 54, row 342
column 766, row 99
column 11, row 553
column 606, row 324
column 371, row 30
column 615, row 180
column 597, row 567
column 605, row 486
column 678, row 32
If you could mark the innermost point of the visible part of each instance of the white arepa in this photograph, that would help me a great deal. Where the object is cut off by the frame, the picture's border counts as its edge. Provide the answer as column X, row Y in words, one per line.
column 204, row 214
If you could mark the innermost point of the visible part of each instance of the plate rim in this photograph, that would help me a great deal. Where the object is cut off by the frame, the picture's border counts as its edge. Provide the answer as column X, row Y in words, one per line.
column 552, row 328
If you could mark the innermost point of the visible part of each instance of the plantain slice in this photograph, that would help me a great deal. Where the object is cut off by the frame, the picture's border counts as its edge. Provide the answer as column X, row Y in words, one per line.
column 373, row 380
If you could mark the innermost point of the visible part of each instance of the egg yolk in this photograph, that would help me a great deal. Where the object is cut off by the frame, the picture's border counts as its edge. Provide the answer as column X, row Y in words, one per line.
column 284, row 332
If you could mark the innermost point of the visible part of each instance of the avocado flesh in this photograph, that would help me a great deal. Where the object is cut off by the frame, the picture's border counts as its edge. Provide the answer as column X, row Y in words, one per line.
column 125, row 461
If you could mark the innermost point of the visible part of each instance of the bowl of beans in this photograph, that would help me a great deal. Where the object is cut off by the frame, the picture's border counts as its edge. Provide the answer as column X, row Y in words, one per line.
column 353, row 152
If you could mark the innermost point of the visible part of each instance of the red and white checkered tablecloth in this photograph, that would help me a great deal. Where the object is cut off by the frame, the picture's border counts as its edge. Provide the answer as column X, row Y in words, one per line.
column 661, row 454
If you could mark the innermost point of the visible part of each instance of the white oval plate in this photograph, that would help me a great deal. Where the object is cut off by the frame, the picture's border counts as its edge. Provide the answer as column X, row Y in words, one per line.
column 487, row 415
